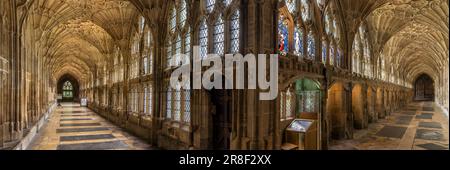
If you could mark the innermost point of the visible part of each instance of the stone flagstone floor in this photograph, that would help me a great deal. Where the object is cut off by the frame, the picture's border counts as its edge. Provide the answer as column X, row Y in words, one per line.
column 72, row 127
column 420, row 126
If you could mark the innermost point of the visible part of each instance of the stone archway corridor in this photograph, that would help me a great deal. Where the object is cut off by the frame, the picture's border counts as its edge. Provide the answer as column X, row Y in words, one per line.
column 419, row 126
column 352, row 74
column 72, row 127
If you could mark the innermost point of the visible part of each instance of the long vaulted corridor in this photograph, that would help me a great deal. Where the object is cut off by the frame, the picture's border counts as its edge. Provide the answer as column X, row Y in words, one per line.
column 72, row 127
column 195, row 74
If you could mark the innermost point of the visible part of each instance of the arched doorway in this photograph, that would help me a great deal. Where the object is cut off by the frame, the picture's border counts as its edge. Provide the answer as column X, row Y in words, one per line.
column 424, row 88
column 371, row 102
column 68, row 88
column 221, row 139
column 360, row 117
column 67, row 91
column 338, row 109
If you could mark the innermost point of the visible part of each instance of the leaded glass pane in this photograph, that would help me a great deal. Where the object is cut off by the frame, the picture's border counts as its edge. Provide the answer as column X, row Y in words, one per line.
column 219, row 37
column 203, row 40
column 305, row 10
column 177, row 51
column 311, row 46
column 289, row 104
column 228, row 2
column 283, row 35
column 235, row 32
column 309, row 101
column 298, row 39
column 177, row 105
column 210, row 5
column 67, row 86
column 332, row 54
column 141, row 24
column 173, row 20
column 187, row 43
column 327, row 23
column 149, row 100
column 324, row 52
column 169, row 103
column 169, row 54
column 183, row 13
column 339, row 57
column 145, row 100
column 146, row 69
column 187, row 106
column 291, row 5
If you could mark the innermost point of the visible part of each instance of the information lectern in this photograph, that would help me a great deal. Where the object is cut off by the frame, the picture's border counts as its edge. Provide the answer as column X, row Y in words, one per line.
column 302, row 133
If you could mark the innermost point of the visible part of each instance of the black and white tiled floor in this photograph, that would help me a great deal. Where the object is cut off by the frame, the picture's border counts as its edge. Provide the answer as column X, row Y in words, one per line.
column 72, row 127
column 420, row 126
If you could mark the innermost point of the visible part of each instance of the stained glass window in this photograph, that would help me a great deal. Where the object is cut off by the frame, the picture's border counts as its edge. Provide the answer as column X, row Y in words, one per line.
column 291, row 5
column 203, row 39
column 228, row 2
column 183, row 12
column 311, row 46
column 177, row 51
column 177, row 105
column 289, row 104
column 219, row 37
column 309, row 101
column 324, row 52
column 339, row 57
column 335, row 29
column 320, row 3
column 169, row 103
column 356, row 53
column 169, row 55
column 283, row 35
column 148, row 53
column 67, row 90
column 141, row 24
column 145, row 100
column 187, row 46
column 327, row 23
column 173, row 20
column 145, row 62
column 332, row 54
column 235, row 32
column 187, row 103
column 298, row 40
column 210, row 5
column 67, row 86
column 150, row 99
column 305, row 10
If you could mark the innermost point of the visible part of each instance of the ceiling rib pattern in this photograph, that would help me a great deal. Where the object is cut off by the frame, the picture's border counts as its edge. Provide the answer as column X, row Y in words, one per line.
column 78, row 36
column 412, row 35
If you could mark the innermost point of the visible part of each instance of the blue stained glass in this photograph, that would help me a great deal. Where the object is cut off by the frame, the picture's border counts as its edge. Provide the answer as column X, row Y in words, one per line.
column 298, row 38
column 283, row 35
column 311, row 46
